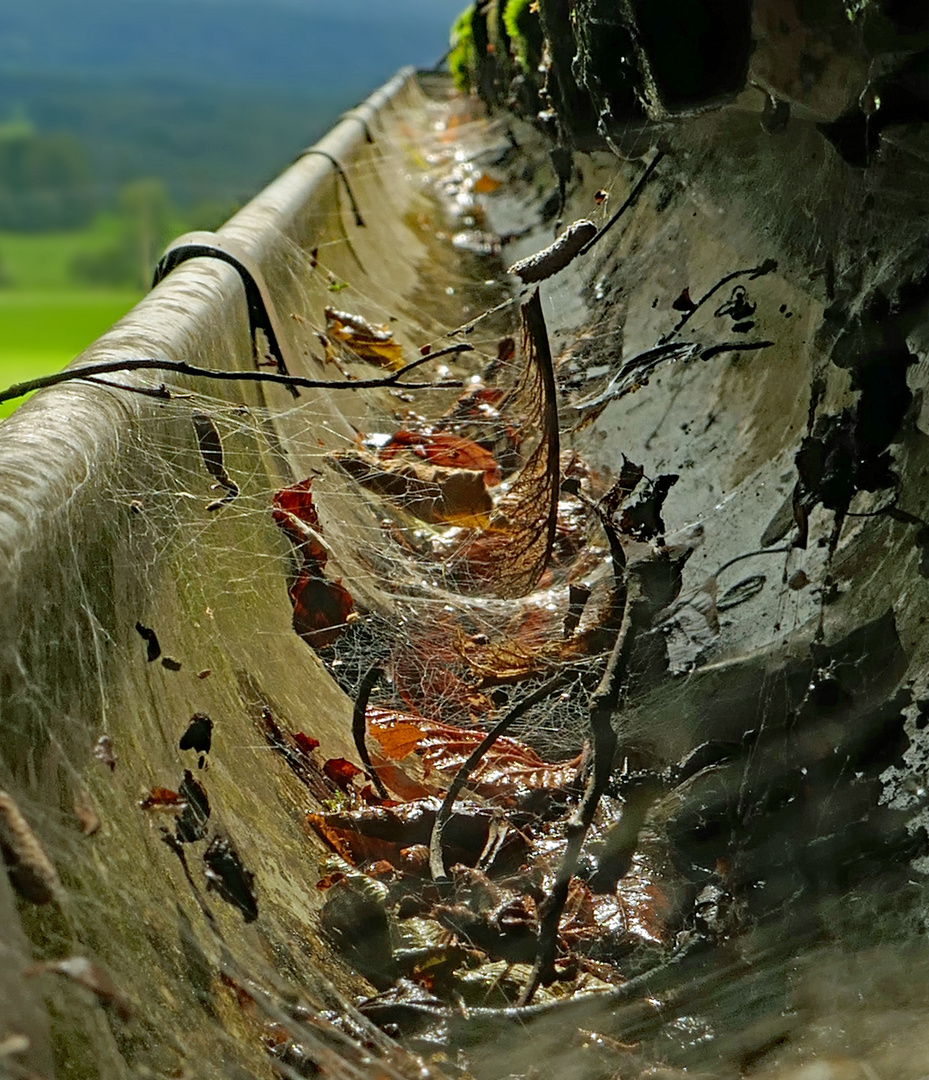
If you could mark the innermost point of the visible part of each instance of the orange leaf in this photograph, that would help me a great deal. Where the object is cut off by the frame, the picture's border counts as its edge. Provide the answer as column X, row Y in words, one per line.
column 367, row 340
column 398, row 739
column 485, row 184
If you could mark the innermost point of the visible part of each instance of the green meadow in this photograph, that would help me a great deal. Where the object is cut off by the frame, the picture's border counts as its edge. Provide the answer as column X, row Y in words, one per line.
column 46, row 316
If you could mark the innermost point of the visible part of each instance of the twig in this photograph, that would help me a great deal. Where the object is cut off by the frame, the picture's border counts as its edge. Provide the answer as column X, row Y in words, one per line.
column 181, row 367
column 753, row 272
column 436, row 858
column 603, row 743
column 359, row 723
column 631, row 199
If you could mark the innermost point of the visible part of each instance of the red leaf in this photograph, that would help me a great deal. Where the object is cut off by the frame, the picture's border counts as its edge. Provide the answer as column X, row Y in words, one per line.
column 294, row 512
column 341, row 772
column 160, row 798
column 306, row 742
column 321, row 608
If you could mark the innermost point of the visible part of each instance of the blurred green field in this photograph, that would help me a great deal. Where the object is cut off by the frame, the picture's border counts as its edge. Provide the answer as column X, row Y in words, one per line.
column 46, row 319
column 41, row 331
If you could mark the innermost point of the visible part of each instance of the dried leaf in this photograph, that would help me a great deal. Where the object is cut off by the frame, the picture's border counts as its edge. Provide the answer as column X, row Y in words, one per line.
column 341, row 772
column 397, row 738
column 527, row 515
column 32, row 873
column 160, row 798
column 430, row 492
column 89, row 975
column 485, row 184
column 211, row 450
column 449, row 451
column 321, row 608
column 368, row 341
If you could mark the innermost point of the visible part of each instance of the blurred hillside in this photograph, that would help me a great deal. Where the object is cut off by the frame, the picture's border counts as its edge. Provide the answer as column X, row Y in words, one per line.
column 212, row 96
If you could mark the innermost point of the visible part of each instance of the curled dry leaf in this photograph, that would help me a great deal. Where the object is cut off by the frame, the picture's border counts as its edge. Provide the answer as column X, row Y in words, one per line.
column 306, row 743
column 91, row 976
column 293, row 511
column 321, row 607
column 32, row 873
column 367, row 340
column 432, row 493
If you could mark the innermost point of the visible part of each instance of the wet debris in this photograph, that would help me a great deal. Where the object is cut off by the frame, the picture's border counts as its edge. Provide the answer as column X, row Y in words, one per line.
column 90, row 976
column 199, row 734
column 211, row 450
column 192, row 824
column 152, row 645
column 105, row 752
column 226, row 875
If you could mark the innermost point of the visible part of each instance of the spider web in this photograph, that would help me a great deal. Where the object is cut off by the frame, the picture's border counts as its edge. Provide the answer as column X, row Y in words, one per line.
column 463, row 631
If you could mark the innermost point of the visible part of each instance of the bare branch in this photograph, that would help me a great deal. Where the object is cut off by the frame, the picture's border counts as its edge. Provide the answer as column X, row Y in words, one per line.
column 181, row 367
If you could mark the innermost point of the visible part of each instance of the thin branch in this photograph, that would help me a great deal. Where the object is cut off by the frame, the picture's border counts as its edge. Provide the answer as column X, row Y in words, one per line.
column 753, row 272
column 631, row 199
column 181, row 367
column 436, row 857
column 603, row 744
column 359, row 723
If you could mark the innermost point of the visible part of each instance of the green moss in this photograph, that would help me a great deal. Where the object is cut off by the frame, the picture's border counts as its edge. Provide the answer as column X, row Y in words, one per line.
column 525, row 33
column 462, row 57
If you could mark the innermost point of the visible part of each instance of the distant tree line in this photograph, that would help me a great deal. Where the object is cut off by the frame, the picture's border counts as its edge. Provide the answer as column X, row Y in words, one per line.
column 45, row 180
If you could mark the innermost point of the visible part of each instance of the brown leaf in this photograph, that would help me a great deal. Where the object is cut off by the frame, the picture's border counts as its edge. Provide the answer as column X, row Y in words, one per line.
column 397, row 738
column 85, row 973
column 341, row 772
column 367, row 340
column 485, row 184
column 449, row 451
column 509, row 767
column 432, row 493
column 85, row 812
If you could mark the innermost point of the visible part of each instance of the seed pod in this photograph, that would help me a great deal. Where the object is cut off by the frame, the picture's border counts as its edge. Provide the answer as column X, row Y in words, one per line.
column 556, row 256
column 31, row 871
